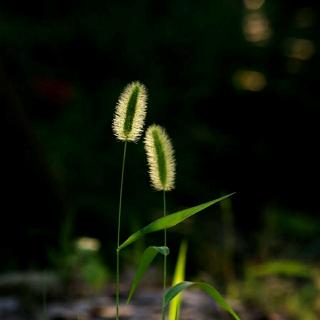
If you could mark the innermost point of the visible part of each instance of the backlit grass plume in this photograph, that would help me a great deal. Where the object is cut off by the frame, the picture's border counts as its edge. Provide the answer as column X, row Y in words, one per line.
column 160, row 157
column 127, row 126
column 130, row 112
column 162, row 171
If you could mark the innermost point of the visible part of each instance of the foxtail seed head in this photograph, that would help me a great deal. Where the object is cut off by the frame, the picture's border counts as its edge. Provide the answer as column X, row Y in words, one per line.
column 160, row 156
column 130, row 112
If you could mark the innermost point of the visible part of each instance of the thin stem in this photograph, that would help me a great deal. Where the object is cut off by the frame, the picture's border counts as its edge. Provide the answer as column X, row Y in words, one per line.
column 119, row 228
column 164, row 259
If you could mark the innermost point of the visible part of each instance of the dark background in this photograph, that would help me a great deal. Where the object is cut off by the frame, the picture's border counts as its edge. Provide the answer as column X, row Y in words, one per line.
column 239, row 98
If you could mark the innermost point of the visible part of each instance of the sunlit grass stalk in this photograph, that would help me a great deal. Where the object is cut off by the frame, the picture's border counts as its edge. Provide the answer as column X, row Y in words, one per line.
column 161, row 162
column 179, row 276
column 127, row 126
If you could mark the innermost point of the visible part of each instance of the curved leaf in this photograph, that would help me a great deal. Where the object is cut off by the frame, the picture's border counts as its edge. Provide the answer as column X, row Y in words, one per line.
column 211, row 291
column 148, row 255
column 169, row 221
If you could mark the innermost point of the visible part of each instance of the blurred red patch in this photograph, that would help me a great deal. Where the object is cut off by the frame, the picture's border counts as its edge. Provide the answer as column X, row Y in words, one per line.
column 57, row 91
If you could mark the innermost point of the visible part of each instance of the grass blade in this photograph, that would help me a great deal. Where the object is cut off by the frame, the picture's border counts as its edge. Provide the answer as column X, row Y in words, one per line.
column 169, row 221
column 287, row 268
column 212, row 292
column 179, row 274
column 148, row 255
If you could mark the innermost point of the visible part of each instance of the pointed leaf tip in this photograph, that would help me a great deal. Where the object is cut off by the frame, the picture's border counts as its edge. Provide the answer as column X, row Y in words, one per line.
column 170, row 220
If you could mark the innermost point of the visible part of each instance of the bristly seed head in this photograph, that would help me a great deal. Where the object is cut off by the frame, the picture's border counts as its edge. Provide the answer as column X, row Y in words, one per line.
column 130, row 112
column 160, row 156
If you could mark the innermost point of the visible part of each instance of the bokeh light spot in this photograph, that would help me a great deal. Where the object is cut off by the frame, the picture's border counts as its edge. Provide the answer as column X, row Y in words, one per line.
column 256, row 27
column 250, row 80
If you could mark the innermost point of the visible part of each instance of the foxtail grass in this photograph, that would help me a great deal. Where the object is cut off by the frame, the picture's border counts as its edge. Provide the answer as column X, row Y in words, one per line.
column 160, row 156
column 127, row 126
column 130, row 112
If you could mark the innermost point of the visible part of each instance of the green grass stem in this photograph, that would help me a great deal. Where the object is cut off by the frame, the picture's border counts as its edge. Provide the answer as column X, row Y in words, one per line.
column 164, row 259
column 119, row 230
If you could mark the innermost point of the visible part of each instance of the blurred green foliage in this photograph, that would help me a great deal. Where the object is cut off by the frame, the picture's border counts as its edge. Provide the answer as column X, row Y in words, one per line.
column 63, row 65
